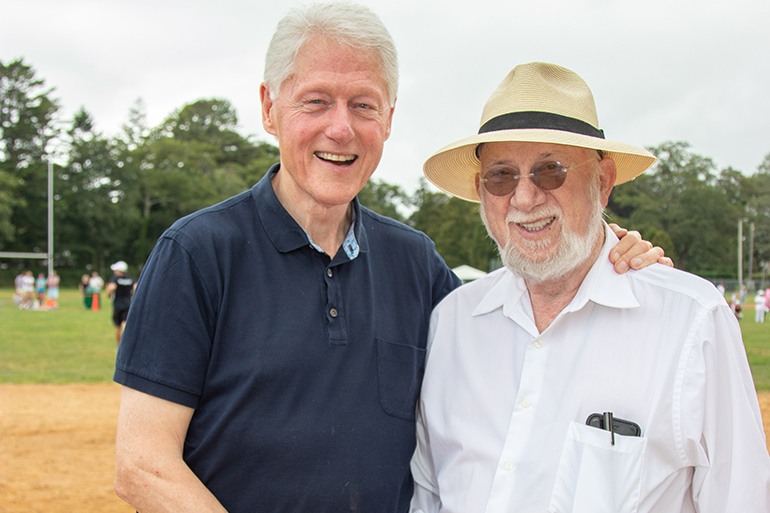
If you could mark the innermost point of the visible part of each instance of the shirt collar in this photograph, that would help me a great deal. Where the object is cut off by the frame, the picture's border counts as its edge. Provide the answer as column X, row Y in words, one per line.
column 350, row 244
column 602, row 285
column 285, row 233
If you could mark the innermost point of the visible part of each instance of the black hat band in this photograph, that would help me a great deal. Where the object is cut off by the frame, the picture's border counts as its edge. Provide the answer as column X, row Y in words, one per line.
column 540, row 120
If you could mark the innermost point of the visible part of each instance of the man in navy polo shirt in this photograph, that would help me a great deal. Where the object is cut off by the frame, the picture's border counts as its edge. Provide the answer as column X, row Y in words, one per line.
column 275, row 346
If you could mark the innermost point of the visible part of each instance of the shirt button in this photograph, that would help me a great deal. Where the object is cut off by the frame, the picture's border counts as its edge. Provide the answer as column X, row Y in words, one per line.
column 508, row 465
column 538, row 343
column 333, row 312
column 525, row 403
column 329, row 273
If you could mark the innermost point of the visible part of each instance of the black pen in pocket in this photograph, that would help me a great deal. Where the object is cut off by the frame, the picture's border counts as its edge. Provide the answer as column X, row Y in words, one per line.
column 608, row 422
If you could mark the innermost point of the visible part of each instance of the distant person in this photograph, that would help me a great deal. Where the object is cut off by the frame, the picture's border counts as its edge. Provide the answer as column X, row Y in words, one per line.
column 759, row 306
column 767, row 300
column 735, row 303
column 95, row 286
column 95, row 282
column 120, row 289
column 41, row 287
column 27, row 291
column 721, row 288
column 53, row 288
column 83, row 287
column 18, row 283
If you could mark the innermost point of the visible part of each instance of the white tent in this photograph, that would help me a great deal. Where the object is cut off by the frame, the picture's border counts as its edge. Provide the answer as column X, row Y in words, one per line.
column 467, row 273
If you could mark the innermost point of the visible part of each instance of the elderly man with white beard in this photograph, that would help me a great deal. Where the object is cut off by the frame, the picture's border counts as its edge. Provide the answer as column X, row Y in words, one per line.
column 555, row 384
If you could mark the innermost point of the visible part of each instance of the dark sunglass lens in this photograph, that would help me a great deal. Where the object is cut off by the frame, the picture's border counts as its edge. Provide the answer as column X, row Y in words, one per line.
column 500, row 183
column 549, row 175
column 500, row 187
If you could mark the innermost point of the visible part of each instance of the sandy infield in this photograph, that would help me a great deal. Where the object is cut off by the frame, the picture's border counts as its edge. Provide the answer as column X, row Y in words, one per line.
column 57, row 446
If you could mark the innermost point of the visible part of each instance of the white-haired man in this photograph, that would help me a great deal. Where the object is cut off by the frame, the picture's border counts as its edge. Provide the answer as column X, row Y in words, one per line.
column 556, row 384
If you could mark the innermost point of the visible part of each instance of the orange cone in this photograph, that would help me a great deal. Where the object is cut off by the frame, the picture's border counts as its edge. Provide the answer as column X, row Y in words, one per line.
column 95, row 303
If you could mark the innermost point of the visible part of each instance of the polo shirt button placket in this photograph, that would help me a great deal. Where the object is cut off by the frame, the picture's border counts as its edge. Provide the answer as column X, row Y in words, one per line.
column 329, row 273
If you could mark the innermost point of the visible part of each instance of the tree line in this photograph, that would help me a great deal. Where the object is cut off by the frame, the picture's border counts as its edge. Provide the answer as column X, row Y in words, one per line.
column 115, row 195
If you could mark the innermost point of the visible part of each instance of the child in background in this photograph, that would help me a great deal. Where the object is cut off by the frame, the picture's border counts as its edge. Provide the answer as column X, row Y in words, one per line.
column 40, row 287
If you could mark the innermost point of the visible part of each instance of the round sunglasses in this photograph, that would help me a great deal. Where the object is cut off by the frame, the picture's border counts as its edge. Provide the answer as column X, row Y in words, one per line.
column 547, row 175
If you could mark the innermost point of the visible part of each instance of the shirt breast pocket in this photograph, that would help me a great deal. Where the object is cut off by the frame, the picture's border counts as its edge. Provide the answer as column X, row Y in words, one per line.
column 400, row 368
column 595, row 476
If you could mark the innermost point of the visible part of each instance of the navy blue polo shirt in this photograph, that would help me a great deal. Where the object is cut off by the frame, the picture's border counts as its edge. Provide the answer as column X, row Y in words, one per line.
column 303, row 370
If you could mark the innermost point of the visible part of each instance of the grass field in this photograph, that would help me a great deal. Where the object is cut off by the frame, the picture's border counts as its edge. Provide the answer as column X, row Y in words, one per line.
column 66, row 345
column 756, row 338
column 75, row 345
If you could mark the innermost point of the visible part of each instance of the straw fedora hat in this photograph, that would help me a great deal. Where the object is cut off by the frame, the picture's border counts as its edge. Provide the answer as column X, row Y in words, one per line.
column 536, row 102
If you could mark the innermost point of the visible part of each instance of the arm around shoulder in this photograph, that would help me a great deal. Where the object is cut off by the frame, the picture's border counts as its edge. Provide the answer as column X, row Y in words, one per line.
column 150, row 473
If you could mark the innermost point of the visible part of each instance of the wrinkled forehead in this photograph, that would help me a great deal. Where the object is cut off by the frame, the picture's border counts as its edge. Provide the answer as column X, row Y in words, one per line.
column 368, row 58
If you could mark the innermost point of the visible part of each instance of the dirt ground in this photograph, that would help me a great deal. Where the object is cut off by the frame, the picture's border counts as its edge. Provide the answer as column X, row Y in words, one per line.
column 57, row 448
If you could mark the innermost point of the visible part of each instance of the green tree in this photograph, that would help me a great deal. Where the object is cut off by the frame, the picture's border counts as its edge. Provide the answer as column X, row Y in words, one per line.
column 135, row 131
column 212, row 121
column 384, row 198
column 455, row 227
column 27, row 125
column 172, row 178
column 8, row 185
column 90, row 225
column 755, row 191
column 679, row 202
column 193, row 159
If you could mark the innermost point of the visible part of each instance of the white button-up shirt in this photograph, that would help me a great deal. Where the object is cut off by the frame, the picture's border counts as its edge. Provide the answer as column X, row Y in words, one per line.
column 502, row 415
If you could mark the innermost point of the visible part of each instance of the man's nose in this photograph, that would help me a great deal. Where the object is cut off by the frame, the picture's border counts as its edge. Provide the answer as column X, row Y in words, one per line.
column 527, row 195
column 340, row 127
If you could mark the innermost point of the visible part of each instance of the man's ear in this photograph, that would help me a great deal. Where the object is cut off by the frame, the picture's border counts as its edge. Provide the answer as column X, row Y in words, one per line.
column 267, row 109
column 607, row 174
column 390, row 120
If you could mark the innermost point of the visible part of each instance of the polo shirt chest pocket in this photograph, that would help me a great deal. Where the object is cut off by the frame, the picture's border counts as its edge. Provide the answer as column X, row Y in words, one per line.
column 400, row 368
column 595, row 476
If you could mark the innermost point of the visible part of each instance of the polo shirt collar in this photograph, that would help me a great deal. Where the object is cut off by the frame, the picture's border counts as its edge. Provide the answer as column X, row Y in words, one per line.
column 282, row 230
column 602, row 285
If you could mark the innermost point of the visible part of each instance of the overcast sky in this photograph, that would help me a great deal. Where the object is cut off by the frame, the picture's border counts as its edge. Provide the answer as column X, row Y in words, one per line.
column 660, row 70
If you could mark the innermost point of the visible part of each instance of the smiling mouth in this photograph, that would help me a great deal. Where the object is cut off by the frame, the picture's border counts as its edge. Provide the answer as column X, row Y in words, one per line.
column 536, row 226
column 337, row 160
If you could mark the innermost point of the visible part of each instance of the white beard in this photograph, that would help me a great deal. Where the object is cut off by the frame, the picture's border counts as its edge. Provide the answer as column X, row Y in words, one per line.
column 574, row 249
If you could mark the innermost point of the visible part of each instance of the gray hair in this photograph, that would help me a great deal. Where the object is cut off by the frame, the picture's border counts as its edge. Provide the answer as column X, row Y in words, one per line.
column 345, row 23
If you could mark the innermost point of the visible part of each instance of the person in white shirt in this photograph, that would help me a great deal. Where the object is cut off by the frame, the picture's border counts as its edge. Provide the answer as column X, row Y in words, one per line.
column 555, row 384
column 759, row 306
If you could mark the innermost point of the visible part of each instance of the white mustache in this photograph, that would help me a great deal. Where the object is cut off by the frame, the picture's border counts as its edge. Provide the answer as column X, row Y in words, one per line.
column 541, row 213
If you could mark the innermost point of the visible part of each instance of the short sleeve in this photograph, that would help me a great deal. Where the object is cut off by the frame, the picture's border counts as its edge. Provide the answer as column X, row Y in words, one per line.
column 166, row 347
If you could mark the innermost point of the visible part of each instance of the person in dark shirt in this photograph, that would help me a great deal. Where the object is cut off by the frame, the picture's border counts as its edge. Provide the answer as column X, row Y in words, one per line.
column 120, row 288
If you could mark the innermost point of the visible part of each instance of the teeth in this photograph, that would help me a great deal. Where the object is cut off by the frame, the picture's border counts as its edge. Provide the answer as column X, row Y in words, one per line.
column 539, row 225
column 335, row 158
